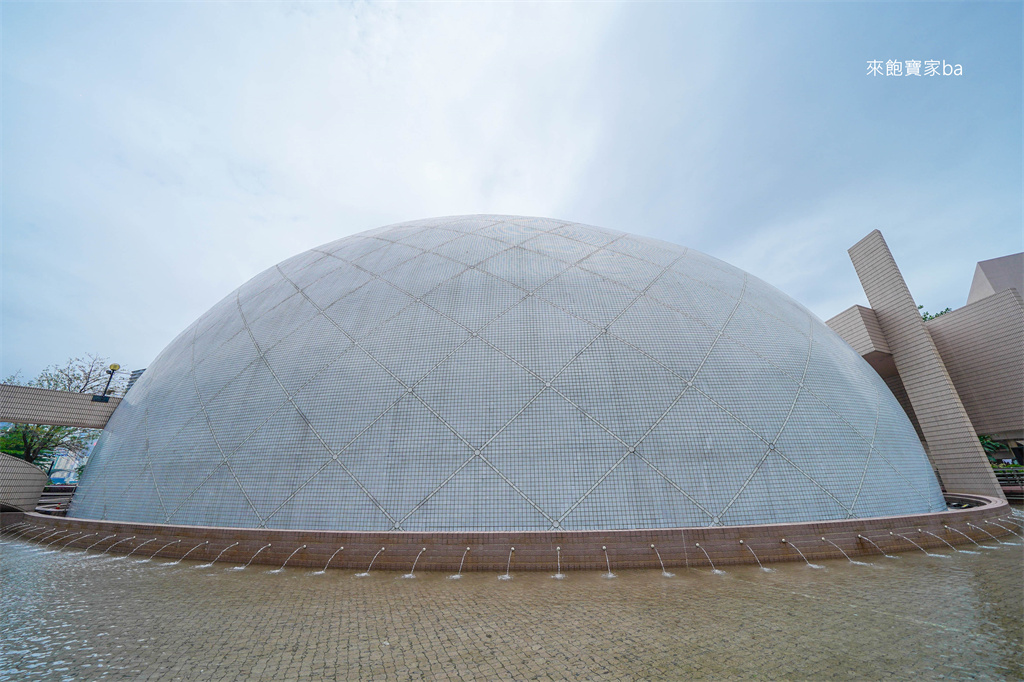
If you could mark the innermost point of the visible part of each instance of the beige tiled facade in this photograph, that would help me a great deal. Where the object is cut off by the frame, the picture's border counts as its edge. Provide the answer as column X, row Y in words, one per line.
column 956, row 375
column 21, row 484
column 26, row 405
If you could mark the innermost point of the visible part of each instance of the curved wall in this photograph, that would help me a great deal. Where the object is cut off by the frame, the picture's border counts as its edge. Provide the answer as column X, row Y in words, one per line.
column 494, row 373
column 21, row 484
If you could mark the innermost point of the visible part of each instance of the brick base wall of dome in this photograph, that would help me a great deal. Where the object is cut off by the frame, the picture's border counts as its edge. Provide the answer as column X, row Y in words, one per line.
column 497, row 373
column 536, row 551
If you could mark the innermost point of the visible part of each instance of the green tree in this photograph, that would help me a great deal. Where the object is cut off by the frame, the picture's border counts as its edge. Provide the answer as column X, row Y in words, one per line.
column 991, row 447
column 37, row 443
column 925, row 315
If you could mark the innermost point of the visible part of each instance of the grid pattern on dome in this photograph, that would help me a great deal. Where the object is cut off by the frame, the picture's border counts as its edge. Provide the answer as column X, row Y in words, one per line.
column 501, row 373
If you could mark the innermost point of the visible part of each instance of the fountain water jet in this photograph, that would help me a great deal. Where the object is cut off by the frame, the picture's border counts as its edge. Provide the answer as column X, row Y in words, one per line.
column 925, row 532
column 48, row 536
column 607, row 563
column 887, row 556
column 927, row 553
column 65, row 545
column 766, row 570
column 990, row 534
column 242, row 568
column 999, row 525
column 412, row 571
column 966, row 536
column 96, row 543
column 458, row 576
column 218, row 557
column 508, row 566
column 66, row 537
column 41, row 534
column 713, row 569
column 175, row 563
column 150, row 557
column 665, row 573
column 328, row 562
column 367, row 571
column 115, row 545
column 137, row 547
column 558, row 565
column 809, row 564
column 278, row 570
column 859, row 563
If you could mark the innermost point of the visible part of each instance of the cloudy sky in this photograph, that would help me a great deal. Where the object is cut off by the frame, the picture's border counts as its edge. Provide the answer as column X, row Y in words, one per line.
column 157, row 155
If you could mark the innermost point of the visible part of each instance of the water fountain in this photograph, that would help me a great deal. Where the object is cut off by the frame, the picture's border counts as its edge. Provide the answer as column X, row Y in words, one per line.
column 242, row 568
column 65, row 545
column 809, row 564
column 508, row 567
column 96, row 543
column 367, row 571
column 458, row 576
column 66, row 537
column 665, row 573
column 713, row 569
column 607, row 563
column 328, row 562
column 412, row 571
column 927, row 553
column 558, row 564
column 278, row 570
column 137, row 547
column 175, row 563
column 887, row 556
column 766, row 570
column 10, row 528
column 999, row 525
column 41, row 534
column 45, row 535
column 25, row 528
column 925, row 532
column 218, row 557
column 48, row 536
column 859, row 563
column 989, row 534
column 28, row 534
column 150, row 557
column 966, row 536
column 114, row 545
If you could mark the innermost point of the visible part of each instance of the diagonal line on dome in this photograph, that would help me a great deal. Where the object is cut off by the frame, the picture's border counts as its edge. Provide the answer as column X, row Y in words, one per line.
column 871, row 449
column 302, row 485
column 291, row 400
column 689, row 384
column 213, row 435
column 149, row 459
column 771, row 445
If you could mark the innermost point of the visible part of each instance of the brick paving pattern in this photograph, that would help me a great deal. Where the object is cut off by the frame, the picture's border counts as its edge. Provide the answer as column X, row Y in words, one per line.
column 68, row 617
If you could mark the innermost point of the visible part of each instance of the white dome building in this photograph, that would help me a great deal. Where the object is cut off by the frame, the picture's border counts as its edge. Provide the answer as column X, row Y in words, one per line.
column 495, row 373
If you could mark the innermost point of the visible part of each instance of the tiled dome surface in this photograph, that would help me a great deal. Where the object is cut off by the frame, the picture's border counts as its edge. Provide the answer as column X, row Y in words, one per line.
column 503, row 373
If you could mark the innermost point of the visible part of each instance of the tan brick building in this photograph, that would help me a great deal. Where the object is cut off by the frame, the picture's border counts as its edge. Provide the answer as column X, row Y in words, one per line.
column 958, row 375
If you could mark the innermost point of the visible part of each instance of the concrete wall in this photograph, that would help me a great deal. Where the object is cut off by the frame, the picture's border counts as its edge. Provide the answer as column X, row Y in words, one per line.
column 21, row 484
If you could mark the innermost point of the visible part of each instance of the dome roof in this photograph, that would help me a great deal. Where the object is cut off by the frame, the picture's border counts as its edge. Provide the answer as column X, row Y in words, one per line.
column 502, row 373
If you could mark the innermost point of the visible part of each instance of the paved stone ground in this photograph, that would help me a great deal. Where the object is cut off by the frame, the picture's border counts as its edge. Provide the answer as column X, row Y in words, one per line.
column 65, row 616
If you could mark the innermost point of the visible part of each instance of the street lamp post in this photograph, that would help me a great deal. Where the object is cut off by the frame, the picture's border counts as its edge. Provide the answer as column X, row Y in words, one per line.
column 104, row 397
